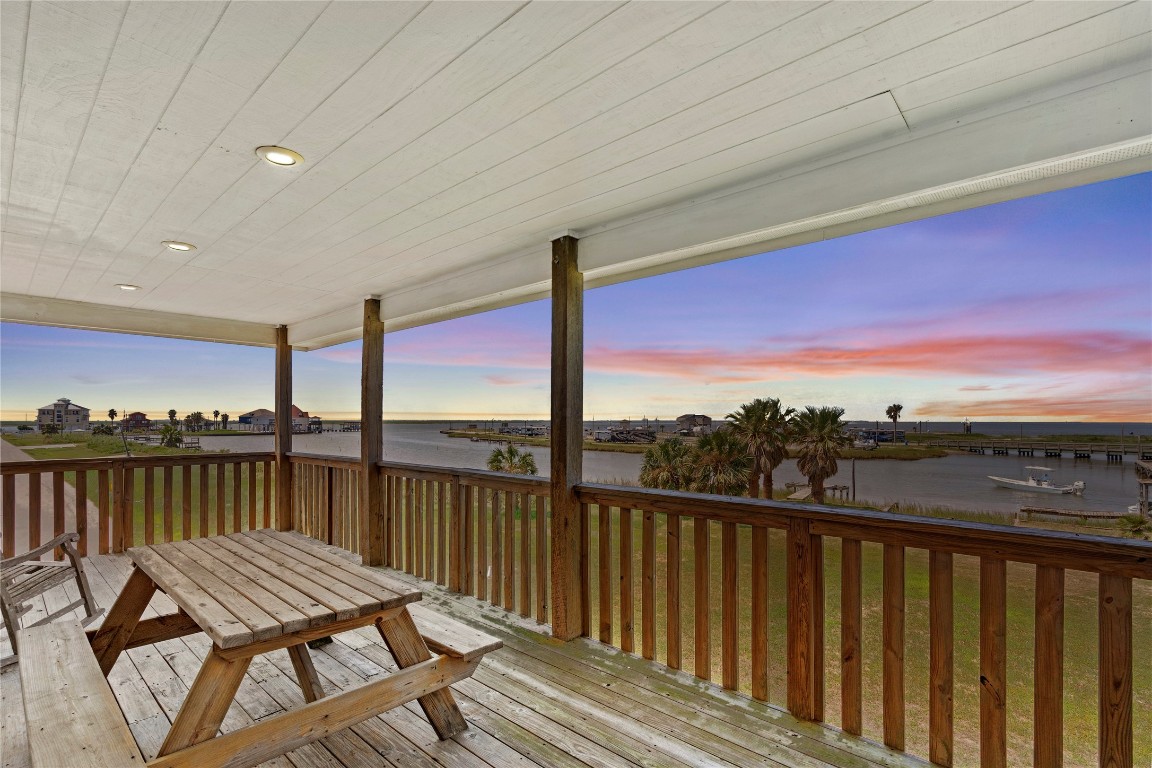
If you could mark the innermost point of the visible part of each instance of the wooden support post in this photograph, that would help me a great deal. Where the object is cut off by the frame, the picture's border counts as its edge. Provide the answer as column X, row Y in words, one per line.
column 285, row 517
column 567, row 435
column 805, row 575
column 372, row 522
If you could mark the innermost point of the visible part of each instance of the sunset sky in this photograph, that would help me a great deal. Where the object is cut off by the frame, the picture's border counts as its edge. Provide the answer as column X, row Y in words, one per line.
column 1036, row 309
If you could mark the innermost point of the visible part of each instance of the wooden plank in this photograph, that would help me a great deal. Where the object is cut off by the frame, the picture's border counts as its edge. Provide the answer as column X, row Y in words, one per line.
column 205, row 520
column 285, row 518
column 604, row 572
column 217, row 621
column 313, row 611
column 275, row 735
column 893, row 640
column 468, row 562
column 409, row 650
column 567, row 409
column 648, row 586
column 673, row 629
column 993, row 663
column 449, row 636
column 1115, row 651
column 372, row 523
column 1048, row 703
column 851, row 631
column 940, row 658
column 729, row 595
column 702, row 577
column 626, row 587
column 456, row 539
column 85, row 722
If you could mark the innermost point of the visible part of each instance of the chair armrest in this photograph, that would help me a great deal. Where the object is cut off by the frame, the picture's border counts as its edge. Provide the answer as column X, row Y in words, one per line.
column 64, row 540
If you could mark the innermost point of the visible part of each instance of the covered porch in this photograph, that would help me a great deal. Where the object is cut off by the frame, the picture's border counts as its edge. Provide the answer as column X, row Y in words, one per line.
column 449, row 159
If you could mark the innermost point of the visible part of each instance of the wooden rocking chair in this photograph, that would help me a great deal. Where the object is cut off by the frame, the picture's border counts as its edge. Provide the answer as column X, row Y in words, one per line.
column 27, row 576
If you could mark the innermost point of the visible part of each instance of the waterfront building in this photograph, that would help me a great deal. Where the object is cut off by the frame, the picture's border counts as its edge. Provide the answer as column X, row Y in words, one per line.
column 65, row 414
column 136, row 422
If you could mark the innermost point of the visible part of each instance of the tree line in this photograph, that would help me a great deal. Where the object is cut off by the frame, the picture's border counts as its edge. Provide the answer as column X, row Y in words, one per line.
column 740, row 457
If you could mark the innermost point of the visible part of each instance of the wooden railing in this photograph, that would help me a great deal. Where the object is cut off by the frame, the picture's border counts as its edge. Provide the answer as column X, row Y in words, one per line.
column 117, row 503
column 481, row 533
column 626, row 532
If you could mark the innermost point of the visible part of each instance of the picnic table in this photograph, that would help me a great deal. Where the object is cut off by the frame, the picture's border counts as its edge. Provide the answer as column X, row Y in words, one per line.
column 261, row 591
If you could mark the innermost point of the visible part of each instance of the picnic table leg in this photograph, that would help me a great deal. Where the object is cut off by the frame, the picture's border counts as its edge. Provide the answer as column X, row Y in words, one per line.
column 305, row 672
column 112, row 637
column 408, row 648
column 207, row 702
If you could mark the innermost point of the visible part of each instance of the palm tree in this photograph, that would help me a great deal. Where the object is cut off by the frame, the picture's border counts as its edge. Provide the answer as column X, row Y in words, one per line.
column 215, row 418
column 720, row 464
column 112, row 414
column 893, row 413
column 172, row 417
column 667, row 465
column 512, row 459
column 763, row 425
column 196, row 419
column 819, row 435
column 224, row 420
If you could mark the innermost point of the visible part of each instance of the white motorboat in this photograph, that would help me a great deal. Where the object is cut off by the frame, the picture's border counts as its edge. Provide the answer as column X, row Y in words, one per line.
column 1041, row 484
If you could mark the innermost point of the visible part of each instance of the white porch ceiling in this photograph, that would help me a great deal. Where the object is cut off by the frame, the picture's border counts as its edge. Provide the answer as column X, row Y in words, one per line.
column 446, row 143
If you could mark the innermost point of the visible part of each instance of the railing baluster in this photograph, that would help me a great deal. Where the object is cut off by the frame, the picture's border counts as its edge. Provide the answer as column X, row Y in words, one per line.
column 759, row 611
column 82, row 511
column 851, row 621
column 149, row 505
column 940, row 661
column 431, row 531
column 1115, row 652
column 648, row 586
column 673, row 566
column 894, row 646
column 627, row 610
column 102, row 505
column 497, row 570
column 703, row 578
column 542, row 578
column 484, row 502
column 59, row 524
column 237, row 497
column 526, row 557
column 127, row 505
column 457, row 582
column 34, row 510
column 993, row 662
column 167, row 504
column 604, row 572
column 117, row 512
column 585, row 571
column 729, row 595
column 443, row 494
column 416, row 516
column 805, row 568
column 469, row 538
column 268, row 469
column 186, row 502
column 252, row 517
column 221, row 501
column 9, row 513
column 1048, row 719
column 509, row 551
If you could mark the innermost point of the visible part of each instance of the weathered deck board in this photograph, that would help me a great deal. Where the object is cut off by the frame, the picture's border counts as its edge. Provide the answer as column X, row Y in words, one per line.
column 533, row 703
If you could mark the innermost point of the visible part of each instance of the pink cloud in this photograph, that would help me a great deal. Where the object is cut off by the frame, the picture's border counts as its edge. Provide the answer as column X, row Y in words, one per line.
column 513, row 381
column 1077, row 406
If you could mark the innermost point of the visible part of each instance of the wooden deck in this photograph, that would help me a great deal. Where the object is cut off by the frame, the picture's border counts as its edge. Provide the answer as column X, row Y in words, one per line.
column 535, row 702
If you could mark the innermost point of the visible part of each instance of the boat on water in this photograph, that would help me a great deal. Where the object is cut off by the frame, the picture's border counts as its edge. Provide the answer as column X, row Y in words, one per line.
column 1041, row 484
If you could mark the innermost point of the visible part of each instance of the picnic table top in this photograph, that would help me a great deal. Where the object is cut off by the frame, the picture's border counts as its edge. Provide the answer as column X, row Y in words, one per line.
column 254, row 586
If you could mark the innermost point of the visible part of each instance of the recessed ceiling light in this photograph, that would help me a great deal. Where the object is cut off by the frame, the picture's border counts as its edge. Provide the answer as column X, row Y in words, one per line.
column 176, row 245
column 127, row 287
column 279, row 155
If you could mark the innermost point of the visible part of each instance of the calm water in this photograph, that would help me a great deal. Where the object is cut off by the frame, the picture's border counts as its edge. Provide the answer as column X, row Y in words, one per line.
column 958, row 481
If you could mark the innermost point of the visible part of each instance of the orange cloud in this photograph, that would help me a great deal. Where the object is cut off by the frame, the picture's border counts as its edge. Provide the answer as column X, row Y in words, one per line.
column 1094, row 351
column 1072, row 407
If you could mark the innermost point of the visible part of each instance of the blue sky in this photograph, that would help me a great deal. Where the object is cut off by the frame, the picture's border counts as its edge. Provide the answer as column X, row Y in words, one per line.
column 1033, row 309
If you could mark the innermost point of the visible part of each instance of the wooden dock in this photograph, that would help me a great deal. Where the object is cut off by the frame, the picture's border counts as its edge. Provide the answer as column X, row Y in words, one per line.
column 1114, row 452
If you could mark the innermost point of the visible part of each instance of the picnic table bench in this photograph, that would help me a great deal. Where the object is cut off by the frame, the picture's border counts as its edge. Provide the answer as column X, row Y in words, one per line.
column 251, row 593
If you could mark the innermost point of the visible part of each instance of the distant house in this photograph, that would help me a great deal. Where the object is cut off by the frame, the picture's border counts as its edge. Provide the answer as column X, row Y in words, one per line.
column 65, row 414
column 136, row 422
column 259, row 420
column 693, row 424
column 264, row 420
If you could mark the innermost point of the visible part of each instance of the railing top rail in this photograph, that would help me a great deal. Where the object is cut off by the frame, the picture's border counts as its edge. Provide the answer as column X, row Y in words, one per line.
column 1067, row 550
column 484, row 477
column 298, row 457
column 104, row 462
